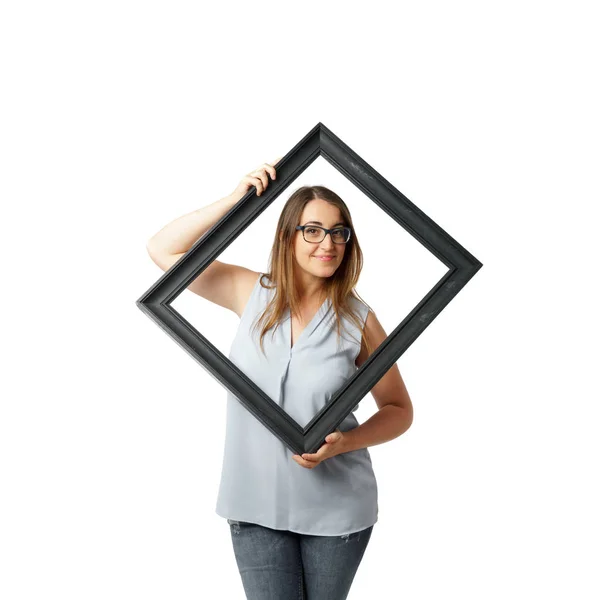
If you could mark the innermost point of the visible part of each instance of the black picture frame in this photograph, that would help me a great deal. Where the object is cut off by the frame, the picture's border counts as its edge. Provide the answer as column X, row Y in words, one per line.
column 320, row 141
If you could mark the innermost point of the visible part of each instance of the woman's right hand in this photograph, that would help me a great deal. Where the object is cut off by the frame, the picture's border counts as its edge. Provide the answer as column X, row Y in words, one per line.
column 258, row 178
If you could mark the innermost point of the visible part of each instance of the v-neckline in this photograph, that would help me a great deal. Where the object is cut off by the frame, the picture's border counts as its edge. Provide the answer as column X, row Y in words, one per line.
column 310, row 326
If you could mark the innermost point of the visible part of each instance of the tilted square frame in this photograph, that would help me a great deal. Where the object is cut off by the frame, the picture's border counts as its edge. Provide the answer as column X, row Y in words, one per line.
column 320, row 141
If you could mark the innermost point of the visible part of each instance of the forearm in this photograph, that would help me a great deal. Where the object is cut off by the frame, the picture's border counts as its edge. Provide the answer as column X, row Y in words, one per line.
column 180, row 235
column 387, row 423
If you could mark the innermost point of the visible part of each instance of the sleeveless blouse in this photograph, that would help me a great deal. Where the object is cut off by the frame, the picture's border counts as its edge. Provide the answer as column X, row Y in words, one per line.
column 260, row 481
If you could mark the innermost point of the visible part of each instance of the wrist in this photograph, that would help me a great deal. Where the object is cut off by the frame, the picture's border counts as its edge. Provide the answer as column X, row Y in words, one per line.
column 344, row 444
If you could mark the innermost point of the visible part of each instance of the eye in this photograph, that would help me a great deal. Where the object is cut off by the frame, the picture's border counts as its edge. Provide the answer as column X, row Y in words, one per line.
column 311, row 229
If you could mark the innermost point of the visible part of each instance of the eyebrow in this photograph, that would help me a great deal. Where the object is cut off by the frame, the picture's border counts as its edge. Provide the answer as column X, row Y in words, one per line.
column 319, row 223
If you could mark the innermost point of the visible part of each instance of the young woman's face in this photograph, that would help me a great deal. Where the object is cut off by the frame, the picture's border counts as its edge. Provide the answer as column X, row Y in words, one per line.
column 321, row 213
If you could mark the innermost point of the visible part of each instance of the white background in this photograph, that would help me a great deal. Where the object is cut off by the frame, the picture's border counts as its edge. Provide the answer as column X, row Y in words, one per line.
column 118, row 117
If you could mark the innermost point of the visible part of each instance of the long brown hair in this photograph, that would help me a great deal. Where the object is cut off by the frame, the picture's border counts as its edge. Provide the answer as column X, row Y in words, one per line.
column 339, row 288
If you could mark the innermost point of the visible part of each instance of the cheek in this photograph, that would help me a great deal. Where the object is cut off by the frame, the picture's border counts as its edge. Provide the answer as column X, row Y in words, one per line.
column 297, row 249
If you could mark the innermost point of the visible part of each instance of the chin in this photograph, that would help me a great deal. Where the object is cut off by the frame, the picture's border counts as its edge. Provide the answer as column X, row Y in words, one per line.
column 326, row 272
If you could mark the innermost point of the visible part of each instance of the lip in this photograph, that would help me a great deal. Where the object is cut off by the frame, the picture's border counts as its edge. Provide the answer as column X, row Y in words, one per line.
column 325, row 257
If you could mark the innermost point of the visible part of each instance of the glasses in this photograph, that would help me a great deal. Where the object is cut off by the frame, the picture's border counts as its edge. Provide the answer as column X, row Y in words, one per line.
column 315, row 235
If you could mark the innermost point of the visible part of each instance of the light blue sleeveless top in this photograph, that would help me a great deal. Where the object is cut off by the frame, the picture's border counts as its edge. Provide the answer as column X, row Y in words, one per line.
column 260, row 481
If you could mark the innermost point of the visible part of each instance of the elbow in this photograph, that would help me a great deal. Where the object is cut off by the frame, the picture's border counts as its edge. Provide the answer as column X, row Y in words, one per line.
column 155, row 254
column 152, row 248
column 406, row 418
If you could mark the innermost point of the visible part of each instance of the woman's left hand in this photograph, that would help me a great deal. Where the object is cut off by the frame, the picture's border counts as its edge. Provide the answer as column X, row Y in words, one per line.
column 334, row 444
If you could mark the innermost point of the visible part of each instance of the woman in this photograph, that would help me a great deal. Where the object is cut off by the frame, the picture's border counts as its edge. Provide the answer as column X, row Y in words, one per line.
column 298, row 530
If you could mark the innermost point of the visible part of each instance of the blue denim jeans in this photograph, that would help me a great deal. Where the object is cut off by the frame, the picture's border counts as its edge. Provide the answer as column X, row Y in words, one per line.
column 284, row 565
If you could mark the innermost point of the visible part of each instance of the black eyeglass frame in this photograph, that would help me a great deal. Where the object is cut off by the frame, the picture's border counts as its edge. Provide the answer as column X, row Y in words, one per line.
column 327, row 231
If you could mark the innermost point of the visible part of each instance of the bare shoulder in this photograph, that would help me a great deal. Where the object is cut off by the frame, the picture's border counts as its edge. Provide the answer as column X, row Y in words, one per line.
column 246, row 280
column 375, row 333
column 390, row 389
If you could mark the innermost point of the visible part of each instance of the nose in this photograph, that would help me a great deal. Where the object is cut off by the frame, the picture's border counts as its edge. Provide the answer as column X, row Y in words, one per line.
column 327, row 241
